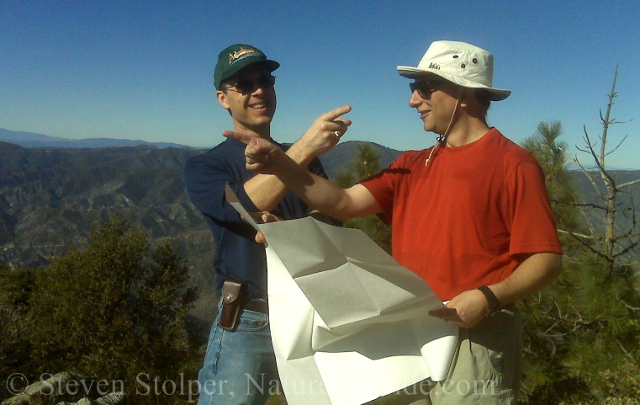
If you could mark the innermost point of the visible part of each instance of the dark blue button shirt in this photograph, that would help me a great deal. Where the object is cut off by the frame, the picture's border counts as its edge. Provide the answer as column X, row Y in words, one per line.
column 237, row 254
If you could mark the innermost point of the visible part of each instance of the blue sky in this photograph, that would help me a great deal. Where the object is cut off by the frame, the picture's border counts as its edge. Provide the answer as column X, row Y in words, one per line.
column 143, row 69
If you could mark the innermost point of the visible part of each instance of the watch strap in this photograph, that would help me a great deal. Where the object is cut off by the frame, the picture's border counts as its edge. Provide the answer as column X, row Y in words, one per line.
column 494, row 304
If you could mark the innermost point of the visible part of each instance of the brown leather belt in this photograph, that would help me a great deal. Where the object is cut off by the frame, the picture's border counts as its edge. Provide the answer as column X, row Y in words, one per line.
column 257, row 306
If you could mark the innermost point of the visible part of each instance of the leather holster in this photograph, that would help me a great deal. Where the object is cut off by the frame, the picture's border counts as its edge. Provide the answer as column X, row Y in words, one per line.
column 233, row 295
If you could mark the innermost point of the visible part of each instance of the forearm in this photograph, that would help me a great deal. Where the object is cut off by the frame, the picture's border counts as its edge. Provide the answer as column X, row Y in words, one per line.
column 468, row 308
column 533, row 274
column 266, row 190
column 325, row 196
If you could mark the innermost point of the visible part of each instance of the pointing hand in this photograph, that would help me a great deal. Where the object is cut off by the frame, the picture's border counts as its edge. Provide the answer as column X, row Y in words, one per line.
column 261, row 155
column 325, row 132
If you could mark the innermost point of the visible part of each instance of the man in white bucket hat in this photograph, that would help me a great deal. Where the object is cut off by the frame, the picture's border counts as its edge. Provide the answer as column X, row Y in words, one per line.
column 470, row 215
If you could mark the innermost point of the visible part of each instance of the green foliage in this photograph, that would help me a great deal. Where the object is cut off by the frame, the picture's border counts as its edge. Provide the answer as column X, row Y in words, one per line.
column 17, row 284
column 581, row 333
column 276, row 400
column 546, row 146
column 11, row 330
column 366, row 164
column 15, row 289
column 113, row 310
column 373, row 227
column 344, row 179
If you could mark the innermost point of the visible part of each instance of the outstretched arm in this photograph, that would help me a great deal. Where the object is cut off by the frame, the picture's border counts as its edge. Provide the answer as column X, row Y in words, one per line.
column 267, row 158
column 266, row 191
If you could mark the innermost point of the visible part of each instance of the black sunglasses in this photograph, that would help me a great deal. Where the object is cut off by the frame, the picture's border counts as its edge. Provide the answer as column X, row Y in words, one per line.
column 425, row 88
column 249, row 86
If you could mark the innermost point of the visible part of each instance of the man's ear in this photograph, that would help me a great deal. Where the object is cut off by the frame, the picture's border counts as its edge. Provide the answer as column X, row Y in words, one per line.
column 465, row 96
column 222, row 99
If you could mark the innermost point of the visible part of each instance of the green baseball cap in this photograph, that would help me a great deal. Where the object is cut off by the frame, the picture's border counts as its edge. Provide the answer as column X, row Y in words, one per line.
column 235, row 57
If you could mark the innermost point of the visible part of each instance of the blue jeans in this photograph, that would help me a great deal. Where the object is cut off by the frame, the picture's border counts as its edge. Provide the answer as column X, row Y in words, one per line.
column 240, row 366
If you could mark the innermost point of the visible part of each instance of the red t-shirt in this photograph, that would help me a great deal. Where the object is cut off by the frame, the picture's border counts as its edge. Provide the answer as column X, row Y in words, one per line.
column 467, row 218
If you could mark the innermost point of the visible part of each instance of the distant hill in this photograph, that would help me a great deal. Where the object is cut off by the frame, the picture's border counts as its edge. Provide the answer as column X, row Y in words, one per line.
column 33, row 140
column 343, row 154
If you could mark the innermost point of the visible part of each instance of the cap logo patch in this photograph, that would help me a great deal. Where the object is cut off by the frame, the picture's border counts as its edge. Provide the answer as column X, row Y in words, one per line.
column 241, row 54
column 434, row 66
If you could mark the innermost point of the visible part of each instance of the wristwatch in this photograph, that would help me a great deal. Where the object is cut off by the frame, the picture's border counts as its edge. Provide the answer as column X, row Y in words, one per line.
column 494, row 304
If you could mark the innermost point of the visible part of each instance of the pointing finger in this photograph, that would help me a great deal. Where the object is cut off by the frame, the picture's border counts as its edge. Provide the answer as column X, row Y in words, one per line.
column 238, row 136
column 333, row 114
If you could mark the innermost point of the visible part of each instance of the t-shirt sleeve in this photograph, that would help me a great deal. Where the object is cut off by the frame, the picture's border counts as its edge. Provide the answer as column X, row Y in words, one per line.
column 533, row 228
column 205, row 179
column 316, row 168
column 383, row 185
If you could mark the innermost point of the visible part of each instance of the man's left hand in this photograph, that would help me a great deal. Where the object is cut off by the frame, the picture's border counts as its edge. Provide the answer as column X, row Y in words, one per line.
column 465, row 310
column 262, row 217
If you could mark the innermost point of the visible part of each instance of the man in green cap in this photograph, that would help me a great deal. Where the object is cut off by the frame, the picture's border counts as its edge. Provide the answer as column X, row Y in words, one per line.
column 239, row 366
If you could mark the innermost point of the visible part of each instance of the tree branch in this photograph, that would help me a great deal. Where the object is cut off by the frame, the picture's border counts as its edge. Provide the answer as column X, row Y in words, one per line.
column 591, row 248
column 586, row 173
column 574, row 234
column 599, row 160
column 626, row 352
column 600, row 207
column 627, row 305
column 627, row 249
column 616, row 148
column 630, row 183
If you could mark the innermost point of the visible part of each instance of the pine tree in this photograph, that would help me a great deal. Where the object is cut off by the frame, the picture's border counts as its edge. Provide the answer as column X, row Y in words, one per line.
column 11, row 344
column 15, row 290
column 366, row 164
column 116, row 310
column 546, row 146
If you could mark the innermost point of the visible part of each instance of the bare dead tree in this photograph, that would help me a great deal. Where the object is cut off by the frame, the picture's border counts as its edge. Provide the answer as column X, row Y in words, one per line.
column 596, row 301
column 609, row 247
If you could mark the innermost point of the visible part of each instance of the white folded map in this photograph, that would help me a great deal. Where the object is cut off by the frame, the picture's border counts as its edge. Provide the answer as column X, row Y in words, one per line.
column 348, row 323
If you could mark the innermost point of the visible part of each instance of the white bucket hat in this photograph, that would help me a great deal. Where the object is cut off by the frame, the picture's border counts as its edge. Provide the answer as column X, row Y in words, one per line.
column 460, row 63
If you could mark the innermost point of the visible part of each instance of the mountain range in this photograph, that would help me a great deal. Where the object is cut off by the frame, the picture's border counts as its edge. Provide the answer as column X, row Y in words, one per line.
column 51, row 196
column 34, row 140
